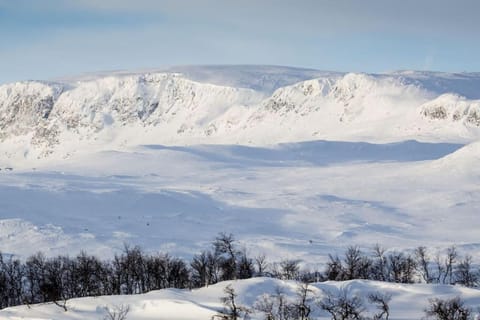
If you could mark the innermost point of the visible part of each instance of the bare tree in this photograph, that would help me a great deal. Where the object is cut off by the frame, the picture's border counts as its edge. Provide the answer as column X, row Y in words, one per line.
column 379, row 267
column 423, row 263
column 450, row 309
column 303, row 303
column 342, row 307
column 232, row 310
column 289, row 269
column 200, row 272
column 227, row 254
column 245, row 267
column 116, row 312
column 277, row 307
column 11, row 281
column 440, row 268
column 450, row 260
column 464, row 273
column 381, row 301
column 266, row 304
column 402, row 268
column 334, row 270
column 262, row 264
column 353, row 261
column 61, row 304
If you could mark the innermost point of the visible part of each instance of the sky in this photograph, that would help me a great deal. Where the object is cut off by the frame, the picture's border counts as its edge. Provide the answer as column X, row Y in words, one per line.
column 50, row 39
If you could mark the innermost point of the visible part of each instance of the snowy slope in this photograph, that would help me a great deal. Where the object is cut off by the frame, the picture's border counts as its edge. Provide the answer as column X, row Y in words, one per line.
column 297, row 200
column 292, row 168
column 408, row 301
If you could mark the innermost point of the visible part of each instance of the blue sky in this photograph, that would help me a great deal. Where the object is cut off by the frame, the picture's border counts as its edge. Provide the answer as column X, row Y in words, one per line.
column 46, row 39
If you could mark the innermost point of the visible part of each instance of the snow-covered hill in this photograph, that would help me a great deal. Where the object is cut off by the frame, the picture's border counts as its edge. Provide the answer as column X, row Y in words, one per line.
column 407, row 302
column 232, row 105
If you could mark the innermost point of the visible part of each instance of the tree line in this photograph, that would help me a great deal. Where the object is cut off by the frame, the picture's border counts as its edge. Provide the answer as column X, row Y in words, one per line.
column 41, row 279
column 403, row 267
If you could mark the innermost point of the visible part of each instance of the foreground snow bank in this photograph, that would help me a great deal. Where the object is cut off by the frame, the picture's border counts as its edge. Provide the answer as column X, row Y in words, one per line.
column 408, row 301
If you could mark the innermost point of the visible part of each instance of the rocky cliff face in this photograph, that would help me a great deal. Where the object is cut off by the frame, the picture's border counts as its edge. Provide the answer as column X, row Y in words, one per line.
column 26, row 106
column 451, row 107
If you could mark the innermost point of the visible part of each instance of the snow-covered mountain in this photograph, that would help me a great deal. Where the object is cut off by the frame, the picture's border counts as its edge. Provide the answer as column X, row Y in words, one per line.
column 46, row 115
column 230, row 105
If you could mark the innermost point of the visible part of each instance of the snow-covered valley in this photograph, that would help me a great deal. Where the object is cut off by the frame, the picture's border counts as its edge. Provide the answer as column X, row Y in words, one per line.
column 297, row 164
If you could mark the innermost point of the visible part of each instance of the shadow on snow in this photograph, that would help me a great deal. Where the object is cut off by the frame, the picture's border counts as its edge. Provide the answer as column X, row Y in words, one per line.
column 317, row 153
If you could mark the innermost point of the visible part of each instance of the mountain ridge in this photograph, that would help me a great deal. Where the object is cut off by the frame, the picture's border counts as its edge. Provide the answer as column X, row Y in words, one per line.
column 41, row 118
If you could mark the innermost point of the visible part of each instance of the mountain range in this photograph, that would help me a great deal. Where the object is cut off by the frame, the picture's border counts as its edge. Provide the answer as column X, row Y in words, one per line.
column 248, row 105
